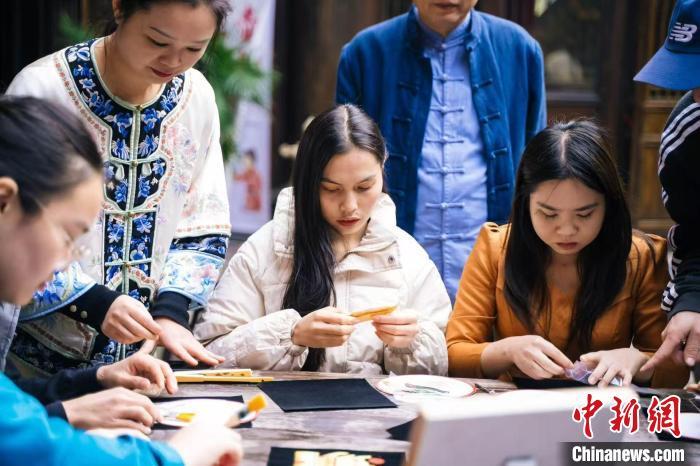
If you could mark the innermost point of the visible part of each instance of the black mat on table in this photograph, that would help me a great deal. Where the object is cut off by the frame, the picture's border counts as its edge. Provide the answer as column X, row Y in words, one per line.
column 525, row 383
column 285, row 456
column 402, row 431
column 324, row 395
column 237, row 398
column 183, row 366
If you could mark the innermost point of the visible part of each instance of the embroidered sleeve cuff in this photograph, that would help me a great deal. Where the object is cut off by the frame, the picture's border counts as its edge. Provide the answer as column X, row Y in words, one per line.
column 91, row 308
column 173, row 306
column 65, row 287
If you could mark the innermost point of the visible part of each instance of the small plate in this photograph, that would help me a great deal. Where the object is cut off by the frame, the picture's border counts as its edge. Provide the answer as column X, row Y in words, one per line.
column 420, row 387
column 212, row 411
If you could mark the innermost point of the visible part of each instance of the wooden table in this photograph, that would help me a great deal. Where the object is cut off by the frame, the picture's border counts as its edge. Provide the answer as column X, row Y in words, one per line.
column 364, row 429
column 357, row 429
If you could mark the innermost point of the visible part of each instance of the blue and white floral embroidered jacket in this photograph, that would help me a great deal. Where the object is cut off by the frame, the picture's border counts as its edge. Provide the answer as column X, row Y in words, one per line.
column 165, row 221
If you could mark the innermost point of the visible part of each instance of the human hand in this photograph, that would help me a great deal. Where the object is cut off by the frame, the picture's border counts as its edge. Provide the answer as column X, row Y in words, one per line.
column 116, row 407
column 681, row 341
column 535, row 357
column 324, row 328
column 181, row 343
column 128, row 321
column 208, row 445
column 140, row 371
column 398, row 329
column 622, row 362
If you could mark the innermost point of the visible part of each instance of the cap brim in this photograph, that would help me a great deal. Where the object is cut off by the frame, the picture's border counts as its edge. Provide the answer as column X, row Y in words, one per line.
column 669, row 70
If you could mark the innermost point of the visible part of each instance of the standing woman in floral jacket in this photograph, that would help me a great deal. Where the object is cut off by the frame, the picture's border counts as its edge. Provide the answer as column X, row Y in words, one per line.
column 161, row 237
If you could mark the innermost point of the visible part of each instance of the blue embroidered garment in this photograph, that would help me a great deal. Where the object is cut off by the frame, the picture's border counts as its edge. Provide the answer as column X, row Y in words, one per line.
column 451, row 201
column 164, row 224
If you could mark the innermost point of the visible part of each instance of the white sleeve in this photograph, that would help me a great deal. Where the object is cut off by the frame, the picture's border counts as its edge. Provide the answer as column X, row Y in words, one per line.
column 427, row 354
column 235, row 324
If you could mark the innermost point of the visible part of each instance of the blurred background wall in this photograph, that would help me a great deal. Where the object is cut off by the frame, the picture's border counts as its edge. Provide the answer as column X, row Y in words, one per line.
column 592, row 50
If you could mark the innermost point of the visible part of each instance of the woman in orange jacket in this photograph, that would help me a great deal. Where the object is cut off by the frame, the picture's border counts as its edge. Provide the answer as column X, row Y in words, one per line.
column 568, row 279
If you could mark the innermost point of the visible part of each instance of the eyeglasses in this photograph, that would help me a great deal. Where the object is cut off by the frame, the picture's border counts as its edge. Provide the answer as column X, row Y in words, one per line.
column 77, row 252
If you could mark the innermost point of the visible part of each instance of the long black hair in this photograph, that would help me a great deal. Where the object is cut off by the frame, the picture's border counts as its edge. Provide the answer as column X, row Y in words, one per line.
column 46, row 149
column 576, row 150
column 334, row 132
column 220, row 8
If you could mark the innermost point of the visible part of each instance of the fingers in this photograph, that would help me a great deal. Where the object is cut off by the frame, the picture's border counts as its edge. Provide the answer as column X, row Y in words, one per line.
column 180, row 342
column 138, row 330
column 116, row 331
column 671, row 344
column 395, row 341
column 200, row 353
column 396, row 318
column 148, row 346
column 134, row 382
column 150, row 368
column 150, row 327
column 129, row 424
column 556, row 355
column 610, row 374
column 333, row 317
column 693, row 387
column 398, row 330
column 178, row 350
column 627, row 378
column 591, row 358
column 533, row 370
column 549, row 366
column 328, row 329
column 169, row 375
column 692, row 348
column 598, row 373
column 164, row 374
column 139, row 414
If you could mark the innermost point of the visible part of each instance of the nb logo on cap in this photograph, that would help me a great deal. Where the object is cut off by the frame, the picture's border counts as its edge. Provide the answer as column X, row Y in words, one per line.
column 682, row 32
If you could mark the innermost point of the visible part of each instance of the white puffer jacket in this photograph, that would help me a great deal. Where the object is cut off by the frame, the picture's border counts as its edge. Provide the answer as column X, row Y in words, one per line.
column 243, row 321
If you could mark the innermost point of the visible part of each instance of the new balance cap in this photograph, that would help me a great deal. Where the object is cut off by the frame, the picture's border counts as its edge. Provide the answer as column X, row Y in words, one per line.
column 676, row 65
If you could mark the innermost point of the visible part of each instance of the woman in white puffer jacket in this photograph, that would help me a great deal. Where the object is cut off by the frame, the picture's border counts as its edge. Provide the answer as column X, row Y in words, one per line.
column 284, row 301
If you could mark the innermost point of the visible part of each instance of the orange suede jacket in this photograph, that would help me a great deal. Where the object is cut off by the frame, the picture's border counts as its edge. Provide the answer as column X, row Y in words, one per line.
column 482, row 314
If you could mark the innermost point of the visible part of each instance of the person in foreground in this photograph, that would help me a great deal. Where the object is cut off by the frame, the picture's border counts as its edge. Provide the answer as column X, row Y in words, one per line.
column 567, row 279
column 333, row 247
column 40, row 220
